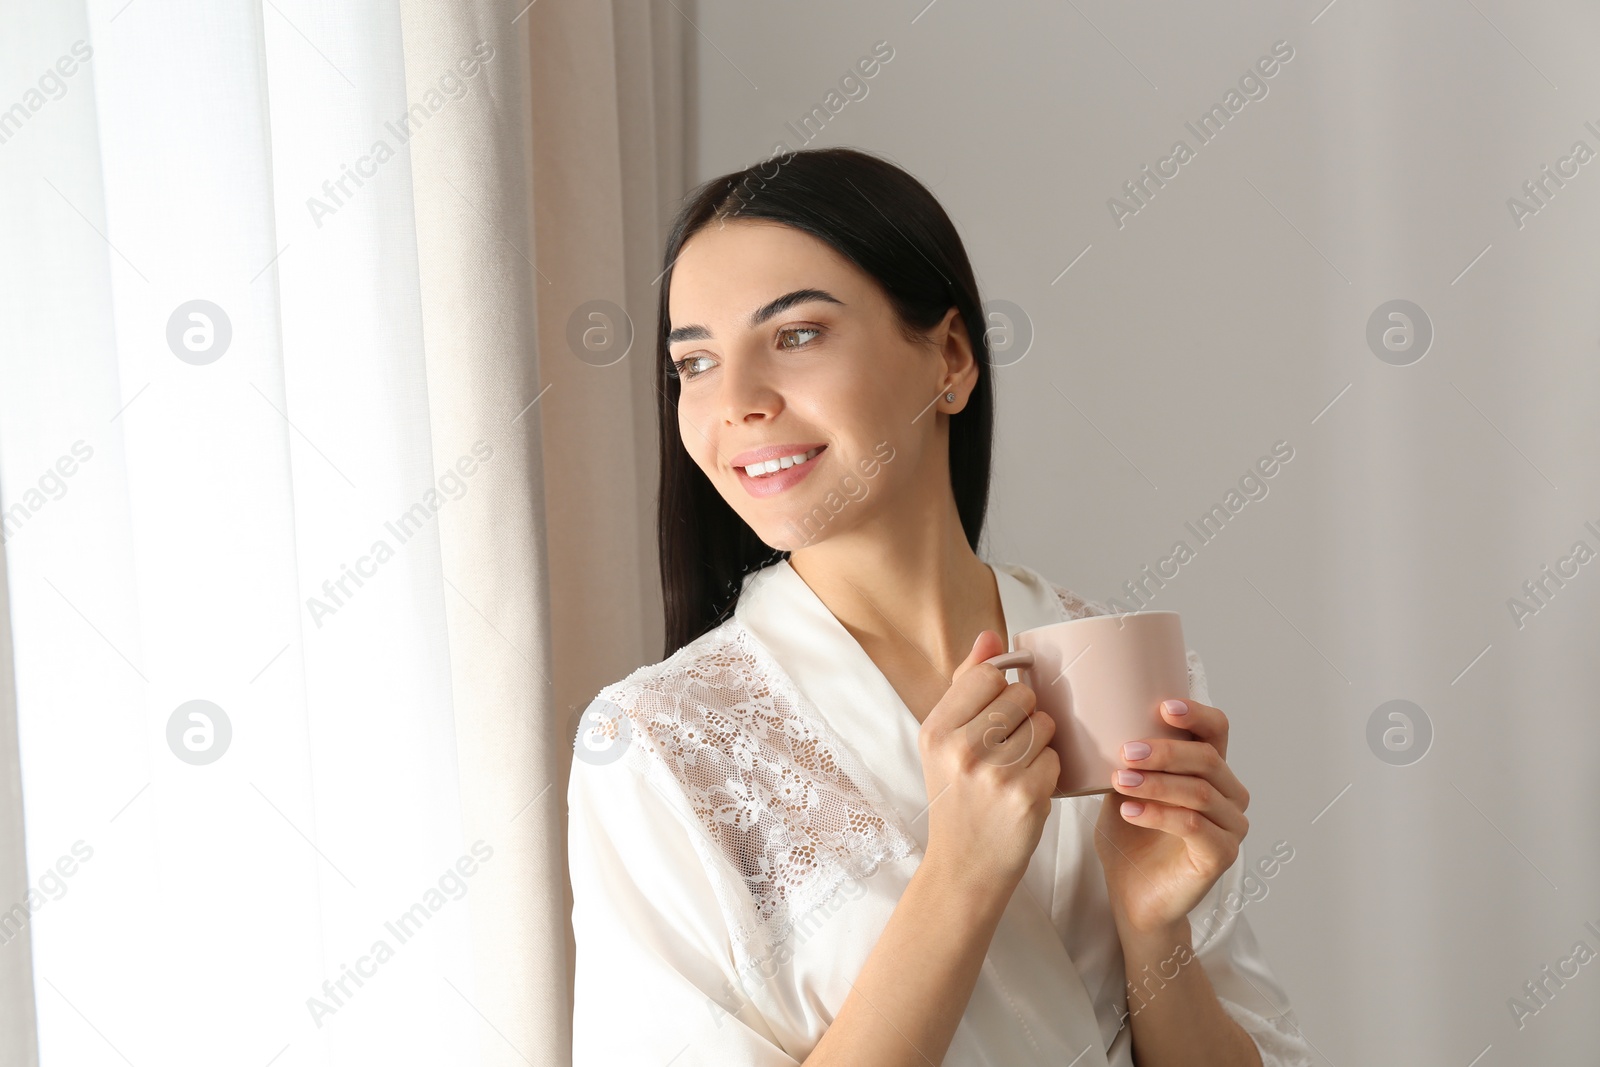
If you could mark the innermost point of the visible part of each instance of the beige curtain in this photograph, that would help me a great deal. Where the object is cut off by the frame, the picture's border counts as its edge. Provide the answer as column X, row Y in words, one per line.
column 558, row 196
column 542, row 197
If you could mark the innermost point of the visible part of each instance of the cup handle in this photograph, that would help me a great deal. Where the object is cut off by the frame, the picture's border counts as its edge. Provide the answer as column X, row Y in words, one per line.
column 1007, row 660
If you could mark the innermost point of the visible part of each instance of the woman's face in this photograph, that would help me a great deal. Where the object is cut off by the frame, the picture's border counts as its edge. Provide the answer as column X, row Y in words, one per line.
column 785, row 348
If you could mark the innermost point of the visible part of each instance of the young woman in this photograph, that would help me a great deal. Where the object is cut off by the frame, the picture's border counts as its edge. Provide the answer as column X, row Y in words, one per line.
column 801, row 836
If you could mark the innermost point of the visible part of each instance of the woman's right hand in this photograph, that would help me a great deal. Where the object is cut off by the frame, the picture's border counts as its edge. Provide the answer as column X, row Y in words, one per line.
column 989, row 771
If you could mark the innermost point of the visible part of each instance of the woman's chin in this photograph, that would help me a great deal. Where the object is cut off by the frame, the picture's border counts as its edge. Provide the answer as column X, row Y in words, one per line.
column 787, row 535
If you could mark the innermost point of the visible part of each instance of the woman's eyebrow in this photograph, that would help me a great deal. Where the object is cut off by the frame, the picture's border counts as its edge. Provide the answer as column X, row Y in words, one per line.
column 695, row 332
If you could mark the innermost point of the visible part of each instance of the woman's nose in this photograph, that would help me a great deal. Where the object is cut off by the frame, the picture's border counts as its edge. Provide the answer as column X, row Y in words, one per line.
column 746, row 390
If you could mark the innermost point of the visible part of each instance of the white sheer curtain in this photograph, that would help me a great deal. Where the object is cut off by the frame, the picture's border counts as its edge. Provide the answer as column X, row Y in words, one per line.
column 230, row 475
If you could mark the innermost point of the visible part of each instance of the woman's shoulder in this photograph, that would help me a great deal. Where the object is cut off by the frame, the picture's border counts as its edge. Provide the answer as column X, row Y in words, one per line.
column 718, row 727
column 713, row 651
column 662, row 705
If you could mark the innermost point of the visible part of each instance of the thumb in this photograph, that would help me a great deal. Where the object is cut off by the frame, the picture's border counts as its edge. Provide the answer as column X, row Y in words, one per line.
column 946, row 716
column 987, row 645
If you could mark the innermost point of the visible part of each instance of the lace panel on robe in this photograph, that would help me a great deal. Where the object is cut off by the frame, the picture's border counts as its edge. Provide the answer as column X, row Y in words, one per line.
column 785, row 806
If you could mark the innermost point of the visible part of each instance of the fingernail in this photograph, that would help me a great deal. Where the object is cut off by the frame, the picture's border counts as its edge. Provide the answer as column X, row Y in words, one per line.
column 1126, row 777
column 1175, row 707
column 1132, row 807
column 1135, row 749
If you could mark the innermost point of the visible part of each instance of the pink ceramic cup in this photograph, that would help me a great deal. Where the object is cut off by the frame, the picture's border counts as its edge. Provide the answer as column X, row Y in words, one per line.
column 1102, row 678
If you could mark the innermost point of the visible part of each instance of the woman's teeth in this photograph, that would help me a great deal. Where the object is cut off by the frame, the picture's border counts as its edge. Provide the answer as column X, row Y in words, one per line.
column 758, row 470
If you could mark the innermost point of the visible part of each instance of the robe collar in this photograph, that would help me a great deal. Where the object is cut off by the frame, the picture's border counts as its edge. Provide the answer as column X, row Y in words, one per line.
column 826, row 663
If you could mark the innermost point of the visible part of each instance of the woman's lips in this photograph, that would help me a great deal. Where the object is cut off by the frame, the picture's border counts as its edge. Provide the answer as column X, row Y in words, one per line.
column 778, row 481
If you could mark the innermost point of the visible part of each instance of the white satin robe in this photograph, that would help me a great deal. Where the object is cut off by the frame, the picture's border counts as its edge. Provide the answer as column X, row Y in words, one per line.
column 737, row 849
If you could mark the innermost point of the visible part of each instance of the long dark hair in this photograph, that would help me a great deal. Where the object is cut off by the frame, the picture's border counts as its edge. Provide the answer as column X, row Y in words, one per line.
column 890, row 226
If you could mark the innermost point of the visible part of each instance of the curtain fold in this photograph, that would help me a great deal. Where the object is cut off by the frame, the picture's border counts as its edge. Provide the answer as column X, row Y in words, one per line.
column 481, row 301
column 610, row 166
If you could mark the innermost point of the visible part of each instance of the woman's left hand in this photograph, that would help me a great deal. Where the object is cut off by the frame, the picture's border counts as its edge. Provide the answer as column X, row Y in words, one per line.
column 1162, row 861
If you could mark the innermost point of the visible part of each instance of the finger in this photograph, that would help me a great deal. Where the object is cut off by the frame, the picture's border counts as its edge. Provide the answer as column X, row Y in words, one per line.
column 1183, row 791
column 987, row 645
column 1044, row 768
column 1199, row 758
column 1006, row 730
column 971, row 684
column 1205, row 722
column 1212, row 849
column 1033, row 755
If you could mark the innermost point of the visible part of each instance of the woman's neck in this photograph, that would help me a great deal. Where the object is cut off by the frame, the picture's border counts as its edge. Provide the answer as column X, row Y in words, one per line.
column 919, row 589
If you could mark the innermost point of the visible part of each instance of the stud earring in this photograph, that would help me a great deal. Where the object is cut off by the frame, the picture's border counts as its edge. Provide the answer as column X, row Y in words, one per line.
column 950, row 398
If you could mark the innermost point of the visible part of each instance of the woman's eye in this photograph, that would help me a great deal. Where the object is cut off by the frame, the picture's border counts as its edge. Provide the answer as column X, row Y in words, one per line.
column 793, row 330
column 685, row 370
column 680, row 367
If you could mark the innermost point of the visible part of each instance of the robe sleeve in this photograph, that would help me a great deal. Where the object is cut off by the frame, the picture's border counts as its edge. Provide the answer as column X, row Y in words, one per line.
column 654, row 976
column 1227, row 949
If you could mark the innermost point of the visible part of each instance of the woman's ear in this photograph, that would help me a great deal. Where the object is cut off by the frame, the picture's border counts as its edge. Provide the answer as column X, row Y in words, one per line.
column 955, row 346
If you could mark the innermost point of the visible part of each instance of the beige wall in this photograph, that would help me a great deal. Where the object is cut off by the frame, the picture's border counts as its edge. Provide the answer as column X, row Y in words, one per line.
column 1225, row 316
